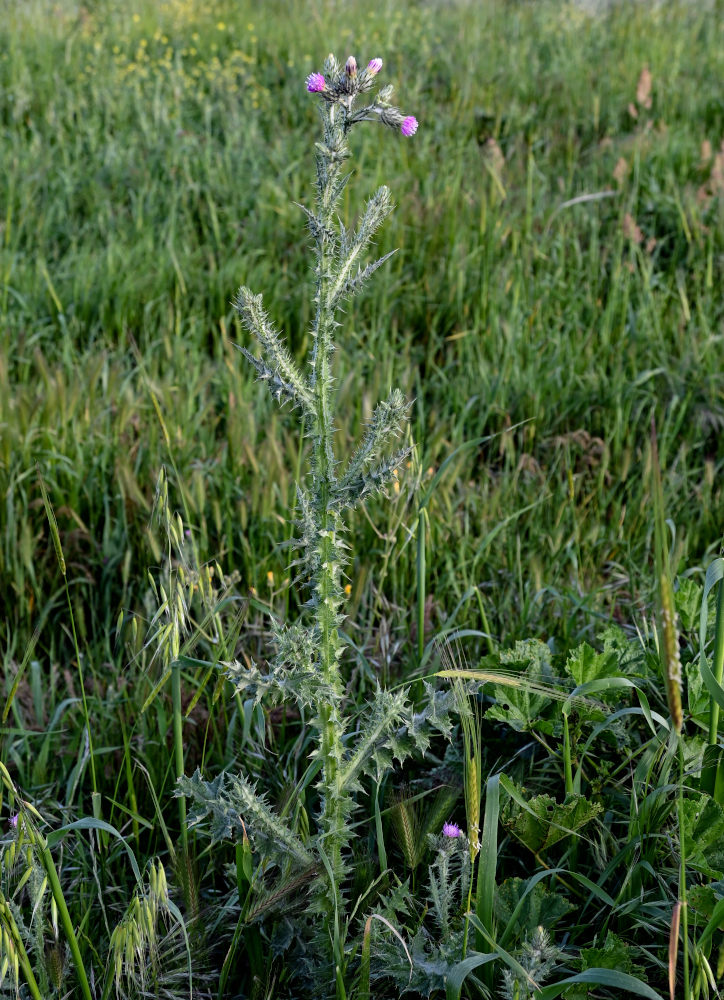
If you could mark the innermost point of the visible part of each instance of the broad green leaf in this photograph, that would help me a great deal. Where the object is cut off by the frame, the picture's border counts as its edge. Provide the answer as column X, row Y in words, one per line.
column 531, row 653
column 703, row 899
column 522, row 705
column 630, row 655
column 520, row 709
column 687, row 601
column 539, row 907
column 715, row 922
column 615, row 954
column 703, row 831
column 697, row 696
column 584, row 664
column 544, row 822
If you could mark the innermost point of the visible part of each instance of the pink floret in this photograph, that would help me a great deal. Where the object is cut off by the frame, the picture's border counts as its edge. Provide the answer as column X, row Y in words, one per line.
column 409, row 126
column 315, row 83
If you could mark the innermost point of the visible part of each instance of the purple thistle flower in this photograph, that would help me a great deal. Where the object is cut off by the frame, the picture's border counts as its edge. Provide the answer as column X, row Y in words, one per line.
column 451, row 829
column 14, row 820
column 374, row 66
column 409, row 126
column 315, row 83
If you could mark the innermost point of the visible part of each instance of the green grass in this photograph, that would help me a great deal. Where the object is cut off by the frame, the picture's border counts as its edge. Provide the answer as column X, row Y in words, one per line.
column 144, row 182
column 151, row 155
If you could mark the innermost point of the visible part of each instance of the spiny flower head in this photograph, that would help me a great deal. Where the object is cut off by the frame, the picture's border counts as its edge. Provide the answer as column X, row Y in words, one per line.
column 343, row 84
column 451, row 830
column 315, row 83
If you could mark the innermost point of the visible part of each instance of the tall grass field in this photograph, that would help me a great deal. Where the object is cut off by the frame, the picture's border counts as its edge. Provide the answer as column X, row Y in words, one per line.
column 410, row 686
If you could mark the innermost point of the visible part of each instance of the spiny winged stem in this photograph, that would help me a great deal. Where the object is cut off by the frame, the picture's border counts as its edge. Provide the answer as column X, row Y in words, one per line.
column 327, row 584
column 338, row 275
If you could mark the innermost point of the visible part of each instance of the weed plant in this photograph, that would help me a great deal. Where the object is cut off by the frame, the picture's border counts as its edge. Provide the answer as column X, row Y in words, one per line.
column 348, row 752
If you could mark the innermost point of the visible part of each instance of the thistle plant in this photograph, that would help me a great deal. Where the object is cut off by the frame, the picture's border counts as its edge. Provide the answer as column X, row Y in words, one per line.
column 537, row 961
column 307, row 665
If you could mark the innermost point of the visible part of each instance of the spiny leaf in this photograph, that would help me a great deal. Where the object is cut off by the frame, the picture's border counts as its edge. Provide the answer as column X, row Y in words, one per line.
column 230, row 798
column 355, row 284
column 278, row 368
column 540, row 907
column 379, row 741
column 388, row 419
column 376, row 211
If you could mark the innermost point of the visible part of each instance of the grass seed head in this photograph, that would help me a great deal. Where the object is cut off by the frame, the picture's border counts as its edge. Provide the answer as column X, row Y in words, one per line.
column 472, row 802
column 405, row 822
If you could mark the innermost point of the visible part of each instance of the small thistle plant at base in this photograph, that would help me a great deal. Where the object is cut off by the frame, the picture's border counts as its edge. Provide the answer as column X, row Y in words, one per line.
column 537, row 962
column 307, row 663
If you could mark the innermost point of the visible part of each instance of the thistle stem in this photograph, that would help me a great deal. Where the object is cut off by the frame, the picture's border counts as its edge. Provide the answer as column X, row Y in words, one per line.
column 326, row 585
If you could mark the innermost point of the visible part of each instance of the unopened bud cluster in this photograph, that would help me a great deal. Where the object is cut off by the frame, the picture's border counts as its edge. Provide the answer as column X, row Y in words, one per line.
column 341, row 85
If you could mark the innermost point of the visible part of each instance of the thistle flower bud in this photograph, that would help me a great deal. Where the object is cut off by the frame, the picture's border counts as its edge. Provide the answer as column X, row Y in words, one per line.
column 391, row 117
column 350, row 67
column 374, row 66
column 315, row 83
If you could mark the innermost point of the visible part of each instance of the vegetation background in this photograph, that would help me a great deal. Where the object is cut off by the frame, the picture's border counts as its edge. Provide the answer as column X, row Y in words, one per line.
column 558, row 284
column 151, row 157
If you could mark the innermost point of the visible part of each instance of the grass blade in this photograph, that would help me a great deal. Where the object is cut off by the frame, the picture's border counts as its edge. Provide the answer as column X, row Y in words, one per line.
column 488, row 859
column 621, row 981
